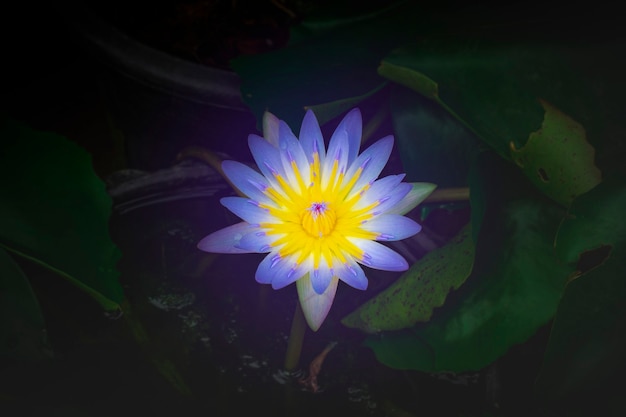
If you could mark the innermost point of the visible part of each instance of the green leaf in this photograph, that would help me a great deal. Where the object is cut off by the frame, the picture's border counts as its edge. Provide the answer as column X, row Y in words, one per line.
column 22, row 327
column 514, row 287
column 479, row 86
column 404, row 349
column 511, row 95
column 425, row 286
column 55, row 210
column 557, row 158
column 594, row 220
column 585, row 353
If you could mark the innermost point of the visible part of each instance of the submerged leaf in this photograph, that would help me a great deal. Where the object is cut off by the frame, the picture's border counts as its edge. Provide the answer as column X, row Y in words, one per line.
column 425, row 286
column 55, row 210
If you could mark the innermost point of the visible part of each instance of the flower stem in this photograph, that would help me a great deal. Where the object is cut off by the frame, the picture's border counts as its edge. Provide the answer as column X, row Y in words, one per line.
column 294, row 346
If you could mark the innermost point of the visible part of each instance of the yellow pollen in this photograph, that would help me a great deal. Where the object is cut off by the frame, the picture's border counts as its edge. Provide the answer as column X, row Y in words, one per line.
column 318, row 220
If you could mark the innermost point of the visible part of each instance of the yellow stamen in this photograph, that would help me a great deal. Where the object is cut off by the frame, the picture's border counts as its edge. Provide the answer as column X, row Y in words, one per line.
column 319, row 219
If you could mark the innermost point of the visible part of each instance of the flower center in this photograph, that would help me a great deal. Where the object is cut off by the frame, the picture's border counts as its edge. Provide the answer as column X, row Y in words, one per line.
column 319, row 219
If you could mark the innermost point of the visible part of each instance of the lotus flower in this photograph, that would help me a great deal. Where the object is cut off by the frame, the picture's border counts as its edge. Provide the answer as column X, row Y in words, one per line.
column 317, row 212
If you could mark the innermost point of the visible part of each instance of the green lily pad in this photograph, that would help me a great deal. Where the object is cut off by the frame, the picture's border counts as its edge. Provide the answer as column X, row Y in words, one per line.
column 425, row 286
column 22, row 327
column 480, row 87
column 585, row 353
column 501, row 94
column 594, row 220
column 514, row 288
column 55, row 210
column 557, row 158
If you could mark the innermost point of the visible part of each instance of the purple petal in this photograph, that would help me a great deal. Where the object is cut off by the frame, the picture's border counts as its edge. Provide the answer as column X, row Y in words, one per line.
column 337, row 151
column 227, row 240
column 292, row 272
column 278, row 271
column 315, row 306
column 267, row 158
column 311, row 137
column 392, row 199
column 291, row 150
column 372, row 161
column 267, row 268
column 248, row 210
column 247, row 180
column 352, row 274
column 378, row 256
column 392, row 227
column 349, row 128
column 258, row 241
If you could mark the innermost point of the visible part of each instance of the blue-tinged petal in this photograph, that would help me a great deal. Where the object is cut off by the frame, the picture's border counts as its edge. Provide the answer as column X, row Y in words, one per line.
column 291, row 151
column 390, row 200
column 248, row 181
column 258, row 241
column 419, row 192
column 311, row 137
column 350, row 128
column 248, row 210
column 321, row 277
column 315, row 306
column 291, row 271
column 270, row 128
column 337, row 153
column 371, row 161
column 278, row 271
column 378, row 256
column 227, row 240
column 267, row 158
column 379, row 190
column 392, row 227
column 268, row 268
column 352, row 274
